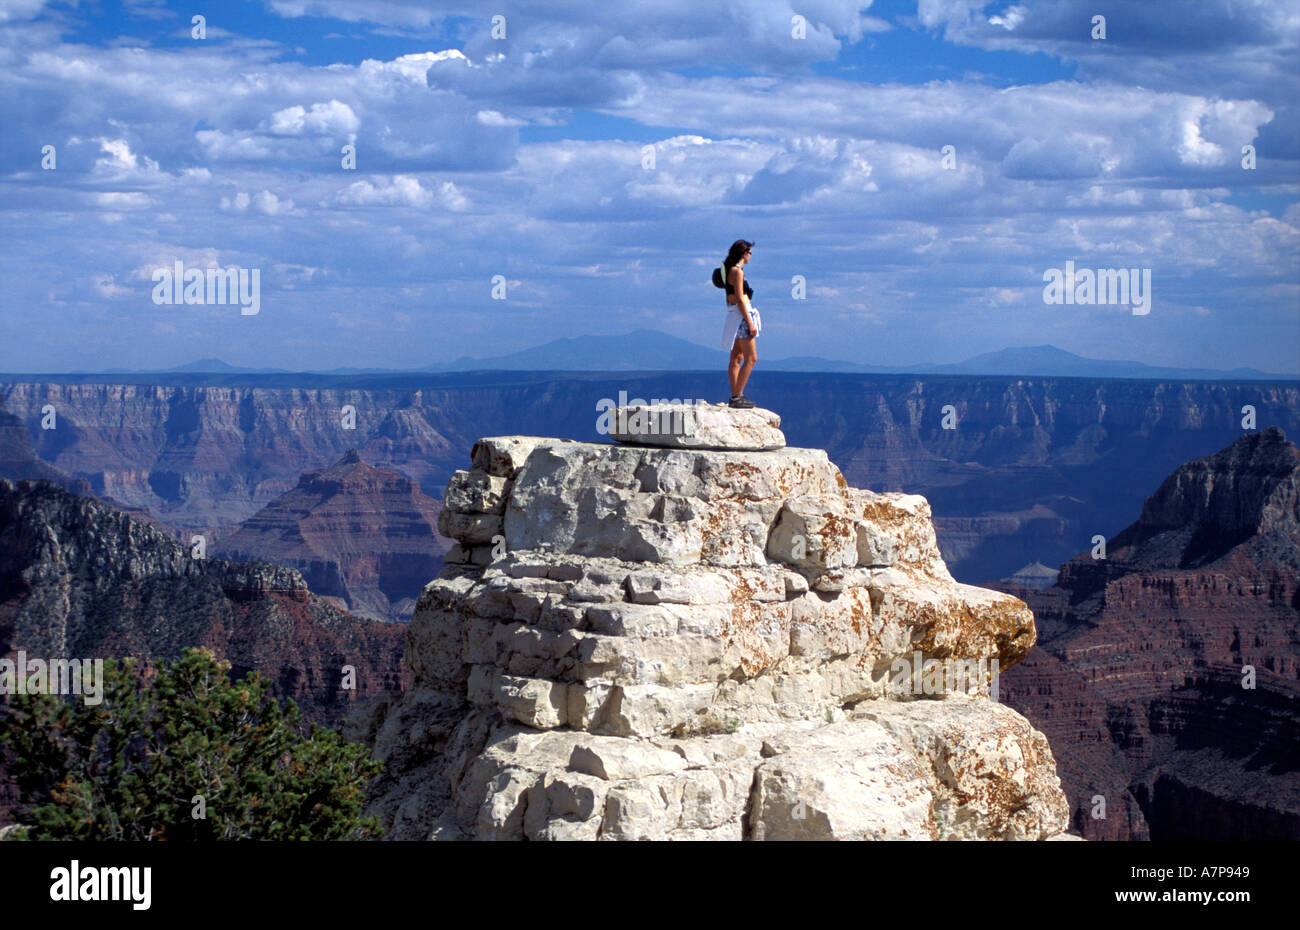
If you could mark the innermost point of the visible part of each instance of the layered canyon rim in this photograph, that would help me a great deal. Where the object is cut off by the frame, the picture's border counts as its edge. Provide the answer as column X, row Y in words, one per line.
column 1031, row 470
column 362, row 536
column 1167, row 673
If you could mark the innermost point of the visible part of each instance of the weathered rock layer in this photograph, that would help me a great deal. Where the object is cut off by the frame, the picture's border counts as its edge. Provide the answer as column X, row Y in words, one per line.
column 359, row 534
column 643, row 642
column 1168, row 675
column 79, row 579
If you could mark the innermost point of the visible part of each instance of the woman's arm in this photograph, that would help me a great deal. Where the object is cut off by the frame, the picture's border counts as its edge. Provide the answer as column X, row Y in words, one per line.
column 742, row 302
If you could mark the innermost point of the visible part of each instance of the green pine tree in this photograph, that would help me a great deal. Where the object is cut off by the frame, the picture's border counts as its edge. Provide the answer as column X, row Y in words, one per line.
column 189, row 755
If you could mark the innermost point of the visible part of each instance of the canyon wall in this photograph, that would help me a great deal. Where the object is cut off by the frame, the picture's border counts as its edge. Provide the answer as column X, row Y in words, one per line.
column 1031, row 469
column 365, row 537
column 79, row 579
column 1167, row 673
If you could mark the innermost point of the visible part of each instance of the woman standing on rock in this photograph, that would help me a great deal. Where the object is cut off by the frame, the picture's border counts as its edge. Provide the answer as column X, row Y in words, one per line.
column 742, row 326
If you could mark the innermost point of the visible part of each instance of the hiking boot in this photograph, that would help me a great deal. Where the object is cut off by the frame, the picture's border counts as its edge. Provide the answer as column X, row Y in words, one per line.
column 741, row 402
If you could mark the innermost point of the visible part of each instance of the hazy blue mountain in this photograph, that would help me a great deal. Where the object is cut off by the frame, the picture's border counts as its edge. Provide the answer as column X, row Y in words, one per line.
column 1049, row 361
column 650, row 350
column 643, row 350
column 816, row 363
column 217, row 366
column 204, row 366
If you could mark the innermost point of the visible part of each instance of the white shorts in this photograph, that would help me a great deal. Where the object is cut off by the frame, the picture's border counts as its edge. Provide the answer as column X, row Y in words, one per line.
column 733, row 327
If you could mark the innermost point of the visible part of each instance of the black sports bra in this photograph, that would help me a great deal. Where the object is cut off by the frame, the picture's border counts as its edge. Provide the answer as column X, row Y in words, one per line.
column 731, row 288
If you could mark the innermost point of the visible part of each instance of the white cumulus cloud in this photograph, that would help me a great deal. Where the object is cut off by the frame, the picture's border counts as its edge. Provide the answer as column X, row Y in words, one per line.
column 332, row 118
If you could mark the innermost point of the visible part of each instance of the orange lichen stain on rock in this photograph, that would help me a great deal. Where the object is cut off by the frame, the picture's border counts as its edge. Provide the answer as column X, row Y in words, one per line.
column 739, row 470
column 742, row 611
column 881, row 512
column 856, row 618
column 738, row 484
column 970, row 630
column 713, row 524
column 1009, row 623
column 746, row 616
column 836, row 527
column 998, row 797
column 878, row 664
column 794, row 476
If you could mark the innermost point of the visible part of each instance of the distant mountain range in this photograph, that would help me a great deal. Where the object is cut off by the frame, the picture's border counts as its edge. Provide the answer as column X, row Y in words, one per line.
column 1049, row 361
column 650, row 350
column 217, row 366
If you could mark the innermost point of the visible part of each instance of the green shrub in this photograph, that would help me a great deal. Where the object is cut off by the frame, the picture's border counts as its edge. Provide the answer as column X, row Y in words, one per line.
column 134, row 766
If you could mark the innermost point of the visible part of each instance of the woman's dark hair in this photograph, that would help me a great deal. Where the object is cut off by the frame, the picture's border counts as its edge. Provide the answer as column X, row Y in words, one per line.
column 738, row 248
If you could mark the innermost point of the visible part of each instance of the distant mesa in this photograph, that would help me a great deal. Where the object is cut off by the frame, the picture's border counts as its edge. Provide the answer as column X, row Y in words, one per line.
column 363, row 535
column 1035, row 575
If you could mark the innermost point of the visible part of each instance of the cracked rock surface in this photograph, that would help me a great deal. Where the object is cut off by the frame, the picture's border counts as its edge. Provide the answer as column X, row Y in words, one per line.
column 643, row 642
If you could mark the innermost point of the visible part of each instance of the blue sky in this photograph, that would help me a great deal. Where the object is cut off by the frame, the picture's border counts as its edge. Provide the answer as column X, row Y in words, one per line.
column 522, row 159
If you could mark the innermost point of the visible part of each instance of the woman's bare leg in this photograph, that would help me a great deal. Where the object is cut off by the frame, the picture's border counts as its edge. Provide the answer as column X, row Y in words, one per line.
column 733, row 366
column 749, row 355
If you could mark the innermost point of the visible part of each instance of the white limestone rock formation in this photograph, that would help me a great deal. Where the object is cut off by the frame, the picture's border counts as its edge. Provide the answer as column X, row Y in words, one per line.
column 697, row 426
column 667, row 643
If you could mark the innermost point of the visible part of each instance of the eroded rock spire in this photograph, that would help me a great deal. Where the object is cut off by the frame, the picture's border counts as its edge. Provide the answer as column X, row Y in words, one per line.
column 638, row 641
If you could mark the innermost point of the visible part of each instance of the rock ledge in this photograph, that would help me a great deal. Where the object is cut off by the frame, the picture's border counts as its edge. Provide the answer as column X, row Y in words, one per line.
column 697, row 426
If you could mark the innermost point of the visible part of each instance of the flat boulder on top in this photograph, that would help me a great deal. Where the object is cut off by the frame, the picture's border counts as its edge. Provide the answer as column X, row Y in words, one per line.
column 697, row 426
